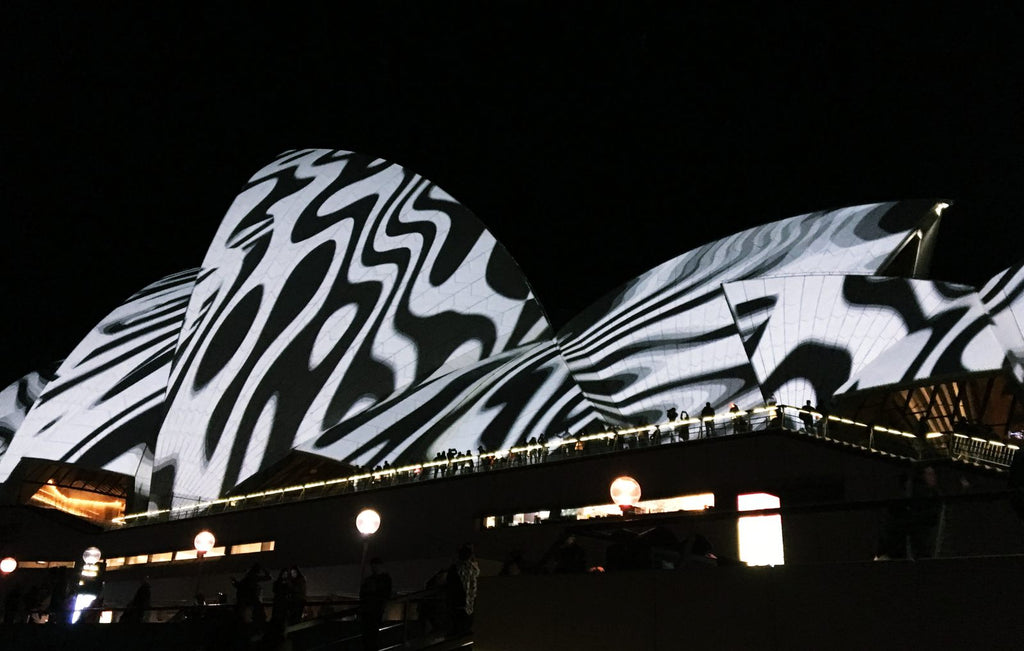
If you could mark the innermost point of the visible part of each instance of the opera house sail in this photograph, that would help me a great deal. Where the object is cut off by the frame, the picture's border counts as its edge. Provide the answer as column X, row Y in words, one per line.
column 352, row 312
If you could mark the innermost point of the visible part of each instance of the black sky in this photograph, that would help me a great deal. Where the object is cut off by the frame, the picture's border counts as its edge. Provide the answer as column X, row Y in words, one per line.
column 594, row 140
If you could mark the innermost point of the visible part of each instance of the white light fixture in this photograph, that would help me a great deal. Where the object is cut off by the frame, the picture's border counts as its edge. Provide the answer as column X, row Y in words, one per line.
column 92, row 555
column 8, row 565
column 760, row 536
column 82, row 601
column 367, row 522
column 625, row 492
column 204, row 542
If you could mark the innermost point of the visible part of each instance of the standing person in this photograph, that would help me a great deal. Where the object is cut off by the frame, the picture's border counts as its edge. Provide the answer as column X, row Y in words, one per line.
column 297, row 600
column 684, row 427
column 738, row 424
column 247, row 596
column 432, row 608
column 926, row 512
column 570, row 557
column 282, row 589
column 374, row 594
column 707, row 417
column 807, row 417
column 135, row 611
column 460, row 590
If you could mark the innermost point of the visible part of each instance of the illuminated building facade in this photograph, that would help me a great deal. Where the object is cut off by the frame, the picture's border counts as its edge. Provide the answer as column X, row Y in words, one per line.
column 352, row 311
column 354, row 338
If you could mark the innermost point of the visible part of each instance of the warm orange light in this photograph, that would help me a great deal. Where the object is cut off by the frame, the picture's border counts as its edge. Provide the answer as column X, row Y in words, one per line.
column 625, row 492
column 204, row 542
column 89, row 508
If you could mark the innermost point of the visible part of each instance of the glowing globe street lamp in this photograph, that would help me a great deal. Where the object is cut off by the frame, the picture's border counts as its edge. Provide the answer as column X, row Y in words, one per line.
column 367, row 523
column 8, row 565
column 92, row 555
column 625, row 493
column 203, row 542
column 90, row 582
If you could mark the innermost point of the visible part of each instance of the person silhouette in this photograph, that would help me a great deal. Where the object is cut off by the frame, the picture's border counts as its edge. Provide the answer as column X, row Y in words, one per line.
column 739, row 424
column 374, row 594
column 807, row 417
column 707, row 417
column 684, row 427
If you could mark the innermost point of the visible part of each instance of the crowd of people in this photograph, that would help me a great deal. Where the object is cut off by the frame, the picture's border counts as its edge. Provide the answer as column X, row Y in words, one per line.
column 603, row 437
column 678, row 426
column 38, row 603
column 445, row 608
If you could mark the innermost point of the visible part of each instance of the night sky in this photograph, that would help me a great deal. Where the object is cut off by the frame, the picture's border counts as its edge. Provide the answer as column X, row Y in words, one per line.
column 595, row 140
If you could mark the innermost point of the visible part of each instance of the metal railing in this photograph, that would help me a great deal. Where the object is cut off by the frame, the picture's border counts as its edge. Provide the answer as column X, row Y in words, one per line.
column 934, row 445
column 973, row 448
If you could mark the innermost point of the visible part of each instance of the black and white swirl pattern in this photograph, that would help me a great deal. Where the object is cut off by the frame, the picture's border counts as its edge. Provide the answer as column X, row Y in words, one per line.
column 351, row 309
column 1003, row 297
column 812, row 337
column 15, row 401
column 105, row 407
column 669, row 338
column 499, row 402
column 336, row 281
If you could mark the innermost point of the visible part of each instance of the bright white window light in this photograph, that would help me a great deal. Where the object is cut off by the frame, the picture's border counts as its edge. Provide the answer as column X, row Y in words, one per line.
column 82, row 601
column 760, row 535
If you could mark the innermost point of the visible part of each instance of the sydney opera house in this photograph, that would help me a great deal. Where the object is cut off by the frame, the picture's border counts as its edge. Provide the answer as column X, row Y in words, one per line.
column 356, row 337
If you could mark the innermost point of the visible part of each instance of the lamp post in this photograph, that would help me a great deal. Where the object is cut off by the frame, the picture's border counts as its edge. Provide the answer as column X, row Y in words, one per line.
column 8, row 565
column 92, row 555
column 90, row 582
column 625, row 493
column 203, row 542
column 367, row 523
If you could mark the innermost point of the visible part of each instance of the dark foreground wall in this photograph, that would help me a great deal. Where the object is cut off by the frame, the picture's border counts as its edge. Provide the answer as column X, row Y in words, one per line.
column 939, row 604
column 99, row 637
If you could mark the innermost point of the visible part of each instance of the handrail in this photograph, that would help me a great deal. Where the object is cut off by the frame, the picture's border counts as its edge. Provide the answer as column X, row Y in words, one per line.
column 348, row 606
column 871, row 437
